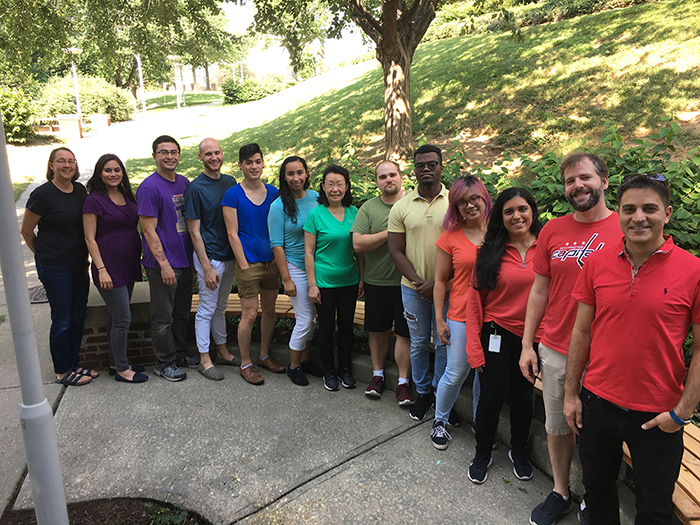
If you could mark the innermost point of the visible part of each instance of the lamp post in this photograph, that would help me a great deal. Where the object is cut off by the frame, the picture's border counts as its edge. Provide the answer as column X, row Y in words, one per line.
column 75, row 51
column 175, row 59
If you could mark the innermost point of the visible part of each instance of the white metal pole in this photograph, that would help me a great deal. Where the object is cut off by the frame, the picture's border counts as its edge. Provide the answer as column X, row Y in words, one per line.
column 35, row 413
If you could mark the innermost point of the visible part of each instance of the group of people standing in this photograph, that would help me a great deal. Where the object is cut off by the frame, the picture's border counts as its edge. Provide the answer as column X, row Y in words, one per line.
column 481, row 280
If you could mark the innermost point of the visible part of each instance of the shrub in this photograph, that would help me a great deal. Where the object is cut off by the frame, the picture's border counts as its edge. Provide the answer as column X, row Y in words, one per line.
column 251, row 89
column 96, row 96
column 17, row 116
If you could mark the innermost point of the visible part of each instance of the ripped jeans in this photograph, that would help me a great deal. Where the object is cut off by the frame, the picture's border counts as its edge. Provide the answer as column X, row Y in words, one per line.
column 420, row 316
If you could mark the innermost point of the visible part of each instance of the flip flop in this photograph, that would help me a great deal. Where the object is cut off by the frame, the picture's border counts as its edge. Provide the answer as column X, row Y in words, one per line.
column 94, row 374
column 74, row 379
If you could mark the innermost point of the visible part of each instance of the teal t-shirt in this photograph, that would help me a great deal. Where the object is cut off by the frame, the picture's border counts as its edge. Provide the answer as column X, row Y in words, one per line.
column 335, row 262
column 287, row 234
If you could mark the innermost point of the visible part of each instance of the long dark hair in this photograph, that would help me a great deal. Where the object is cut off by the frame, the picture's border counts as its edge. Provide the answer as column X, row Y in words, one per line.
column 488, row 260
column 96, row 184
column 347, row 198
column 285, row 194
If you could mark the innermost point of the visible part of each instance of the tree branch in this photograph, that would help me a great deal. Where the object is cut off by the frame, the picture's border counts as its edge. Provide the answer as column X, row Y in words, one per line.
column 365, row 20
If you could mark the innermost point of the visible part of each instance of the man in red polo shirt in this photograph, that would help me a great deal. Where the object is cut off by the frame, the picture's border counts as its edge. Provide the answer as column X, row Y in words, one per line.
column 562, row 247
column 636, row 303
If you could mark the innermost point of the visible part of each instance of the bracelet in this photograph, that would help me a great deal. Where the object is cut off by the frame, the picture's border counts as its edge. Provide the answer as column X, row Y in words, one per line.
column 676, row 419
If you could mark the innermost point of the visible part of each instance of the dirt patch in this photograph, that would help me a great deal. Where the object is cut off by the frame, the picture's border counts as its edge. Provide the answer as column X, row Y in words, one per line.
column 117, row 511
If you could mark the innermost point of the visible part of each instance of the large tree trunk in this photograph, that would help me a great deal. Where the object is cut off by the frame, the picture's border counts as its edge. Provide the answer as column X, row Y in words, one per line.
column 397, row 106
column 206, row 75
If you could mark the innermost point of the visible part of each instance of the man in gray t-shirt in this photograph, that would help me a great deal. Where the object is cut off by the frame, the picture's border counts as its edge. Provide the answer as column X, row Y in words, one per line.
column 213, row 257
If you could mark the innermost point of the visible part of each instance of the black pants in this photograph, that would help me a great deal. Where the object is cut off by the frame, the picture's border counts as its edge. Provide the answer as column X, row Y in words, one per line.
column 502, row 379
column 340, row 302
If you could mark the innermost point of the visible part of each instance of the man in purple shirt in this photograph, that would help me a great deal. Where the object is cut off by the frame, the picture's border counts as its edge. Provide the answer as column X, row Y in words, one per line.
column 167, row 258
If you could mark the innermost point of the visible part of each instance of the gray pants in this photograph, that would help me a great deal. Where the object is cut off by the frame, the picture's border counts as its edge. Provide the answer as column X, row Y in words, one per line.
column 170, row 308
column 118, row 321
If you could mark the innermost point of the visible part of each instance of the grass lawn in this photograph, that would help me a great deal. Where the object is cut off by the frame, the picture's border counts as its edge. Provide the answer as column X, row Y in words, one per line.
column 19, row 187
column 553, row 91
column 169, row 101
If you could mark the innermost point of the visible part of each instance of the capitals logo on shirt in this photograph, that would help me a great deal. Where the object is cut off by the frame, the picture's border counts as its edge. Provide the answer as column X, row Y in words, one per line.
column 577, row 251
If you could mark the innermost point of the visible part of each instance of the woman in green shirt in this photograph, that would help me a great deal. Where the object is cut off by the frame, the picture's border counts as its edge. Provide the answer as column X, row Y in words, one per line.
column 334, row 272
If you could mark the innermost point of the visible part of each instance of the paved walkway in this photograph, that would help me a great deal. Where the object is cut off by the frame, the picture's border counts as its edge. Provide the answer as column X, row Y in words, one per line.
column 233, row 452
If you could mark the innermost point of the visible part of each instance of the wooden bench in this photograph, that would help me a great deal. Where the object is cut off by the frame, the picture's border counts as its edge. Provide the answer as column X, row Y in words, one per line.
column 283, row 308
column 686, row 497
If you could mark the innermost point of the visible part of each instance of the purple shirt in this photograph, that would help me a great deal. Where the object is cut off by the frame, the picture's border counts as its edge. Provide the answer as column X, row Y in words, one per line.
column 158, row 197
column 117, row 238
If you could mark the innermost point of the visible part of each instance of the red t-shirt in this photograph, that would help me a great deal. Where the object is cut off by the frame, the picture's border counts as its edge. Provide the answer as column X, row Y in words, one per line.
column 640, row 324
column 463, row 252
column 505, row 305
column 562, row 247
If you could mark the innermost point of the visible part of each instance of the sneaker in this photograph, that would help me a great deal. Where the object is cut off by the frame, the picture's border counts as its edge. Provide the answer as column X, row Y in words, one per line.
column 171, row 373
column 330, row 381
column 583, row 516
column 297, row 376
column 551, row 510
column 188, row 361
column 309, row 368
column 477, row 472
column 440, row 436
column 521, row 464
column 376, row 387
column 420, row 409
column 454, row 420
column 404, row 396
column 346, row 378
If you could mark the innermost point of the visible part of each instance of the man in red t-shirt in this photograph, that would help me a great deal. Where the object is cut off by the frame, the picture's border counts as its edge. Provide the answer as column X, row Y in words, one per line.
column 563, row 245
column 636, row 303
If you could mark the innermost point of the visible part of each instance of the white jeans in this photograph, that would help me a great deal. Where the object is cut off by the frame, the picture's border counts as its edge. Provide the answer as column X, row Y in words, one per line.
column 212, row 304
column 304, row 310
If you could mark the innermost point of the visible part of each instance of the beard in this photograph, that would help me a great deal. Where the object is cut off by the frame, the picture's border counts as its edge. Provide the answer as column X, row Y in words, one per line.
column 390, row 192
column 594, row 198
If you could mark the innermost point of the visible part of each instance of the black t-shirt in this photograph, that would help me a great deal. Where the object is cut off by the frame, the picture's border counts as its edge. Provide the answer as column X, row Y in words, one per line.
column 60, row 240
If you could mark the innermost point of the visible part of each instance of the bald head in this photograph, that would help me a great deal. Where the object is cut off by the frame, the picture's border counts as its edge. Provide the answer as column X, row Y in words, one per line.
column 212, row 157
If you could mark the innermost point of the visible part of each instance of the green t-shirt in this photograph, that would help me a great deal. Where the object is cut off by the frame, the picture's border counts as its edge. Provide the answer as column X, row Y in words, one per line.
column 373, row 217
column 335, row 263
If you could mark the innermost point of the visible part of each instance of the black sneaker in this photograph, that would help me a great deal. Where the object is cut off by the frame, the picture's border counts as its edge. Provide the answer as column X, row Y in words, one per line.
column 187, row 361
column 477, row 472
column 551, row 510
column 424, row 402
column 583, row 517
column 439, row 436
column 346, row 378
column 454, row 420
column 309, row 368
column 330, row 381
column 297, row 376
column 521, row 464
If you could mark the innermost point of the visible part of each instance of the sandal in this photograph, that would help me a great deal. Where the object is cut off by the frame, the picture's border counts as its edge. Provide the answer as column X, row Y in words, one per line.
column 73, row 378
column 94, row 374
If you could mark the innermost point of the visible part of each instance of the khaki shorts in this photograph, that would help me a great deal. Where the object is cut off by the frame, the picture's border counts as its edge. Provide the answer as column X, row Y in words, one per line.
column 553, row 371
column 257, row 276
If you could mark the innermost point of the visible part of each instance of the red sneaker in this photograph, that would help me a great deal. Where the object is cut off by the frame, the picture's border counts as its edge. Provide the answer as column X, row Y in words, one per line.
column 376, row 387
column 404, row 396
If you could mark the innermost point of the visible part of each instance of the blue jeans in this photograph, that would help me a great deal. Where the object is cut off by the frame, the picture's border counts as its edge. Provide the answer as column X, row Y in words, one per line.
column 420, row 316
column 656, row 461
column 67, row 288
column 456, row 373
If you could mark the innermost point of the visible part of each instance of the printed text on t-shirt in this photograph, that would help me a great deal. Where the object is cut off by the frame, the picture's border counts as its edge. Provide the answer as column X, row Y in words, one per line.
column 578, row 252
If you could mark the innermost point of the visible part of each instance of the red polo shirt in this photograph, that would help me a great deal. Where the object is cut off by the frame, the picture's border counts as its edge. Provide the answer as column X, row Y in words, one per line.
column 640, row 324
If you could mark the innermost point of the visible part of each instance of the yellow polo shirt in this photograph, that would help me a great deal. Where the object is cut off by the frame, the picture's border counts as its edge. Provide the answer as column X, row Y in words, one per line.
column 421, row 222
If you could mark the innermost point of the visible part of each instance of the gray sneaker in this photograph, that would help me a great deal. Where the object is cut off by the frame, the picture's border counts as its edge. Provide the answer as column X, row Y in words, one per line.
column 171, row 373
column 210, row 373
column 551, row 510
column 188, row 361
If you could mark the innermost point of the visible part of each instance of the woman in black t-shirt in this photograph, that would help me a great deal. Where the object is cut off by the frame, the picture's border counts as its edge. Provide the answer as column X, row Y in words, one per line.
column 61, row 261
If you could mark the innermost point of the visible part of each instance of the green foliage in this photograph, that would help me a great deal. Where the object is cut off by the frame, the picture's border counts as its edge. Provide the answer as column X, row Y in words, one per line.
column 251, row 89
column 96, row 96
column 17, row 116
column 167, row 516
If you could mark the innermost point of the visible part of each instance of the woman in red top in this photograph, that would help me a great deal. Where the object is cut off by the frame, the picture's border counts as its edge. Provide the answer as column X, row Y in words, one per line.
column 496, row 305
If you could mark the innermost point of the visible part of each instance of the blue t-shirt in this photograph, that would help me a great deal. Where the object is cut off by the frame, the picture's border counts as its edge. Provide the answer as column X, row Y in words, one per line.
column 285, row 233
column 165, row 200
column 203, row 202
column 252, row 222
column 334, row 260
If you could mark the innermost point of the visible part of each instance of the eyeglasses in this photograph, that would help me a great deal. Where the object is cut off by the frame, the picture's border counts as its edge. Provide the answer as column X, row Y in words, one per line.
column 330, row 185
column 165, row 152
column 473, row 200
column 64, row 162
column 432, row 164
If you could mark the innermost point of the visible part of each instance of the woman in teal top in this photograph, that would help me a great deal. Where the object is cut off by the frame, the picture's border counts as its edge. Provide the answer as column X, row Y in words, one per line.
column 286, row 225
column 333, row 272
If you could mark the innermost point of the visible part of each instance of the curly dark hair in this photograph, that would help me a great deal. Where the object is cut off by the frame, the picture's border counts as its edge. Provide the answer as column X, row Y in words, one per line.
column 488, row 260
column 285, row 194
column 96, row 184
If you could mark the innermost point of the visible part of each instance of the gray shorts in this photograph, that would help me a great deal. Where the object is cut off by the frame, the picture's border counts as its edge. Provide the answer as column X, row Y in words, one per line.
column 553, row 372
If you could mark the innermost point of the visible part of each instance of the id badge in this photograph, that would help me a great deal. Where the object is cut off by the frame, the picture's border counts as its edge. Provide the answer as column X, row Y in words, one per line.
column 494, row 343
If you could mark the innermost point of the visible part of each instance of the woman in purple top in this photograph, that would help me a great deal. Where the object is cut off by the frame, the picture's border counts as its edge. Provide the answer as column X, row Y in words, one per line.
column 109, row 222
